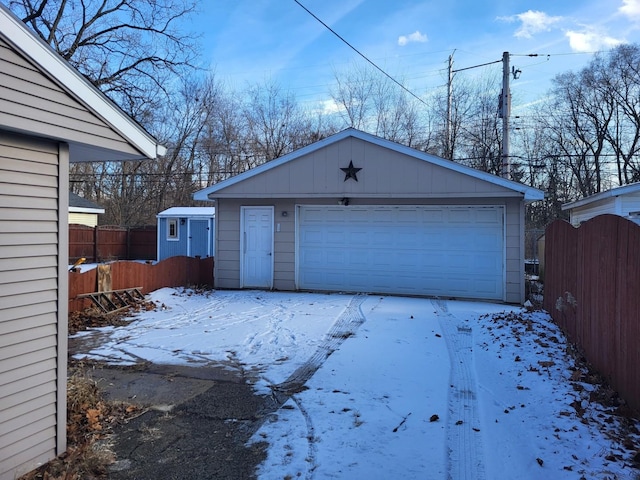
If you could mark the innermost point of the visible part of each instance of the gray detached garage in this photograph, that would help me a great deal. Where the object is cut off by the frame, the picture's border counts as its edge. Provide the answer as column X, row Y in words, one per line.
column 358, row 213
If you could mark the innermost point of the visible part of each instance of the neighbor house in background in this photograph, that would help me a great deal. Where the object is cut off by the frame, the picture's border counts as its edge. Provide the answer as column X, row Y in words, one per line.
column 623, row 201
column 358, row 213
column 187, row 231
column 50, row 115
column 83, row 211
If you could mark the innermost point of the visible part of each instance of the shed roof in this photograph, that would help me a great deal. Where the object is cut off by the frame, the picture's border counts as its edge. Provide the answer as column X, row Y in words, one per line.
column 632, row 188
column 188, row 212
column 529, row 193
column 23, row 40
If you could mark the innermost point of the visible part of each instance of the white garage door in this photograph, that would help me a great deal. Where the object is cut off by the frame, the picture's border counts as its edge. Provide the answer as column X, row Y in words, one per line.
column 453, row 251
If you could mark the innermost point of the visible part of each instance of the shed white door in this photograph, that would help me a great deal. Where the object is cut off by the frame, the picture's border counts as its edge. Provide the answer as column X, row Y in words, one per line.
column 256, row 246
column 455, row 251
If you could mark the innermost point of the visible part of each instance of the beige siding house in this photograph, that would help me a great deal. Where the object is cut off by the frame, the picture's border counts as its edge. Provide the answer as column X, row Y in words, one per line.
column 358, row 213
column 49, row 116
column 83, row 211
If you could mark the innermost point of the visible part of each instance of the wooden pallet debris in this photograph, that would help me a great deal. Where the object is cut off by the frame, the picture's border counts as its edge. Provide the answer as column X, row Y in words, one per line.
column 115, row 300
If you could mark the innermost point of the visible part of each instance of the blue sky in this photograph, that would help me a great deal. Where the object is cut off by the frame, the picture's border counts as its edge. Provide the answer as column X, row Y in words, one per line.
column 253, row 41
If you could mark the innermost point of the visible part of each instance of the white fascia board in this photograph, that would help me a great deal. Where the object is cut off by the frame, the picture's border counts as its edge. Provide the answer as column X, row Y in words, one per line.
column 85, row 210
column 75, row 84
column 529, row 193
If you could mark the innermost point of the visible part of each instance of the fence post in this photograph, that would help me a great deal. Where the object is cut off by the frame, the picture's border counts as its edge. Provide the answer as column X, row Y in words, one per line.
column 95, row 244
column 129, row 244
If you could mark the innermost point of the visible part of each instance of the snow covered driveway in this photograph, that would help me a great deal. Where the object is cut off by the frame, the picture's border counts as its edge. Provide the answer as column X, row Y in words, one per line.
column 393, row 387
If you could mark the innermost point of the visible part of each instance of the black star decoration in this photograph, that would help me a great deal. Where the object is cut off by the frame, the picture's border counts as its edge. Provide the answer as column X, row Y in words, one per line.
column 350, row 172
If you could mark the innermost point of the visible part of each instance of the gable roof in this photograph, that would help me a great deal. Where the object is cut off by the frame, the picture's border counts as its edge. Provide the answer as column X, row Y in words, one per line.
column 23, row 40
column 614, row 192
column 77, row 204
column 529, row 193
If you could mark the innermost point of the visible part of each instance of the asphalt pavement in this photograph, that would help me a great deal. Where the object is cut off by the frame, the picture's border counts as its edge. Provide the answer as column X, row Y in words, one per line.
column 196, row 424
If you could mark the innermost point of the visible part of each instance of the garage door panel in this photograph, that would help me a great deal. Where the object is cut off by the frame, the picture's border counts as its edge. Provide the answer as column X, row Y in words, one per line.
column 428, row 250
column 359, row 238
column 484, row 262
column 381, row 239
column 460, row 216
column 488, row 216
column 431, row 216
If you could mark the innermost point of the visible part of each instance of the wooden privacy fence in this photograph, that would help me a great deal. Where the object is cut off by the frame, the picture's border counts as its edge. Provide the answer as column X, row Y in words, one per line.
column 591, row 289
column 105, row 242
column 172, row 272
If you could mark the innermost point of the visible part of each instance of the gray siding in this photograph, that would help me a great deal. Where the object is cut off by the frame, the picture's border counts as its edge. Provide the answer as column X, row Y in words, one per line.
column 227, row 265
column 384, row 173
column 32, row 303
column 31, row 102
column 227, row 241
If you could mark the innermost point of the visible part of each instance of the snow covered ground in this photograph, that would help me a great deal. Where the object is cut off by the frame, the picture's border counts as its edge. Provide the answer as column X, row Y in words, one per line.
column 394, row 387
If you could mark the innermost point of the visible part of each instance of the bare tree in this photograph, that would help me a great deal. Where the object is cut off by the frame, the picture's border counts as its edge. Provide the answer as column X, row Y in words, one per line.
column 353, row 96
column 371, row 102
column 618, row 78
column 577, row 123
column 474, row 135
column 480, row 136
column 127, row 48
column 276, row 125
column 225, row 149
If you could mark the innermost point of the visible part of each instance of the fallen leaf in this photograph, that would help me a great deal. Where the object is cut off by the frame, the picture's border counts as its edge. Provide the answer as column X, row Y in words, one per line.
column 93, row 417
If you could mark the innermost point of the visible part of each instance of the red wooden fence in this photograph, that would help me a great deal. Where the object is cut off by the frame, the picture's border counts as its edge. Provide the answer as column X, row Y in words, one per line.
column 592, row 291
column 105, row 243
column 172, row 272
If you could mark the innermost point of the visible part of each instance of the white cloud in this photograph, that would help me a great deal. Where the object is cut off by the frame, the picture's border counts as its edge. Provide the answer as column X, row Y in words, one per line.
column 630, row 8
column 329, row 107
column 413, row 37
column 532, row 21
column 590, row 40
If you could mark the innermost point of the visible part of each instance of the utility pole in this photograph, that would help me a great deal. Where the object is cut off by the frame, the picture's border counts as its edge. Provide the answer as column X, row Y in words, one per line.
column 505, row 111
column 449, row 132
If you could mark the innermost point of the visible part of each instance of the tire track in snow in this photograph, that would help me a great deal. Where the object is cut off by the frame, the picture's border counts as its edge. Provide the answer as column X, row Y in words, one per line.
column 311, row 438
column 344, row 327
column 464, row 444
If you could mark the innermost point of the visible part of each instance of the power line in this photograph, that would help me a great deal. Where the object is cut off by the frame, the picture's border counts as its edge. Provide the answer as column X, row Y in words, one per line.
column 361, row 54
column 476, row 66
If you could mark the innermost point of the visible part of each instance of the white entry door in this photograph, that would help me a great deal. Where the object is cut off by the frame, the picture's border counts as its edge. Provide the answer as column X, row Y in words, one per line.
column 256, row 247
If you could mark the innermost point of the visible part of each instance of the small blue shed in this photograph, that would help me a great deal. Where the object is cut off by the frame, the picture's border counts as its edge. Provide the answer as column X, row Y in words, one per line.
column 186, row 231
